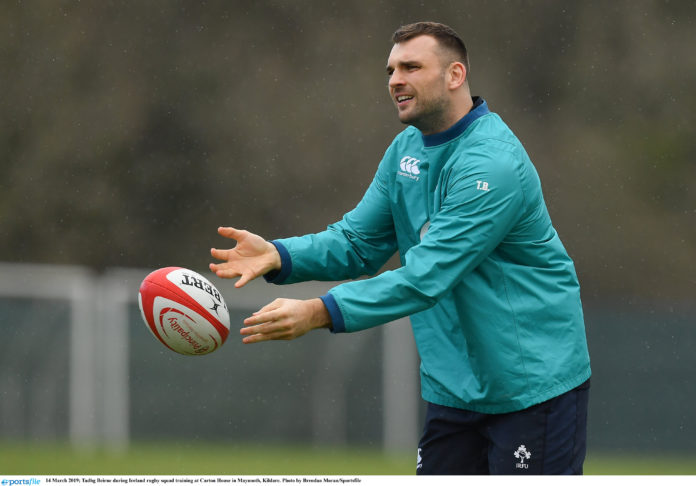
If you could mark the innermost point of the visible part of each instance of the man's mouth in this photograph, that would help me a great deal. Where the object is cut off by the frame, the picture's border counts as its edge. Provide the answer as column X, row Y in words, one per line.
column 400, row 99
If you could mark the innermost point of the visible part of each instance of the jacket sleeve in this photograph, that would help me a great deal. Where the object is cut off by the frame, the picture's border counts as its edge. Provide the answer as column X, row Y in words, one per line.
column 480, row 201
column 357, row 245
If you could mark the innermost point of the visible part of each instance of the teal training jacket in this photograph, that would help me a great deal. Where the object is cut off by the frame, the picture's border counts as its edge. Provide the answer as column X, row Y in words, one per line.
column 492, row 294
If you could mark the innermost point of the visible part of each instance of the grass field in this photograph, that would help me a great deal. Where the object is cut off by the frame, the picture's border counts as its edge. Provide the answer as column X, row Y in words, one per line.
column 225, row 459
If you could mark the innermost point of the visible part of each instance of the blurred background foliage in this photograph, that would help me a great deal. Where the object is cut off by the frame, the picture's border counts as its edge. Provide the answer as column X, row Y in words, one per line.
column 129, row 131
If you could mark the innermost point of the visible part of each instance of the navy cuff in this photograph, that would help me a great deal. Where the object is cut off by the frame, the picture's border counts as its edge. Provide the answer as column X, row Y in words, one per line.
column 280, row 276
column 337, row 322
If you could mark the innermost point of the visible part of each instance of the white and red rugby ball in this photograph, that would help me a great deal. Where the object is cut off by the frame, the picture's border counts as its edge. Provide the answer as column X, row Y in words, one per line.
column 184, row 311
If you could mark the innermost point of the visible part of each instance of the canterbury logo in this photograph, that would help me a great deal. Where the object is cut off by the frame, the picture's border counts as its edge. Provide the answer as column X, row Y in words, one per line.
column 409, row 167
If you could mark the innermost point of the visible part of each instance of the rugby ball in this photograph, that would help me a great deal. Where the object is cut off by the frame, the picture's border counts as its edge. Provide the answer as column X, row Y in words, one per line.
column 184, row 311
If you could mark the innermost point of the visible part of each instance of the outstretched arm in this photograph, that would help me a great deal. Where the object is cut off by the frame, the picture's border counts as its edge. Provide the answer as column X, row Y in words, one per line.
column 250, row 258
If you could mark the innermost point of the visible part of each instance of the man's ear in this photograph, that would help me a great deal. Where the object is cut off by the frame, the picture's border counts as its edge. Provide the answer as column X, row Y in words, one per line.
column 456, row 75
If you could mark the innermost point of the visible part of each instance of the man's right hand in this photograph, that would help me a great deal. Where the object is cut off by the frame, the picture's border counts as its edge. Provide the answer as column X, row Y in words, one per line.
column 250, row 258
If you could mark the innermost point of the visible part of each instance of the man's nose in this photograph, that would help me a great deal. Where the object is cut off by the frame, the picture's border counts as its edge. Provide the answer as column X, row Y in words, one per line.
column 396, row 79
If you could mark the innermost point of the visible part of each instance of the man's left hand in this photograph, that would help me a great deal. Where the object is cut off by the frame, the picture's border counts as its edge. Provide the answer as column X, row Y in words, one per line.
column 285, row 319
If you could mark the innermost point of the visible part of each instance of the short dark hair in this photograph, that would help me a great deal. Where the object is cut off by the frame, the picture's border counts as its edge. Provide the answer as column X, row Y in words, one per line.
column 445, row 35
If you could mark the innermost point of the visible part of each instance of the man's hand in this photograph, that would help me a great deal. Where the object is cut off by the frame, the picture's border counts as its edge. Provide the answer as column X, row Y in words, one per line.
column 251, row 257
column 285, row 319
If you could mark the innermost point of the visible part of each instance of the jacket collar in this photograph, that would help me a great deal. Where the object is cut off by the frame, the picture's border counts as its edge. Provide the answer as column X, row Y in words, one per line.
column 479, row 109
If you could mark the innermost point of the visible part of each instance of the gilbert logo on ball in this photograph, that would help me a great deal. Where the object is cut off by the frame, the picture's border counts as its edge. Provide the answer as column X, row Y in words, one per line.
column 184, row 311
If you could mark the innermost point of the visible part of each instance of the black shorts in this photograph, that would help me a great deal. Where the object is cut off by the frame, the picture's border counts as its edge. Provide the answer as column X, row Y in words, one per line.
column 548, row 438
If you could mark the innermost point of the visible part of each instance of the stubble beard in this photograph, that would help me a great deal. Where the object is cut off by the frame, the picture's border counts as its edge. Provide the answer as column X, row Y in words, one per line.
column 431, row 116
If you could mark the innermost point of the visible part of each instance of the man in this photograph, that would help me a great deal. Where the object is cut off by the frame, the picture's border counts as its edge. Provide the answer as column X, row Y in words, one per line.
column 492, row 294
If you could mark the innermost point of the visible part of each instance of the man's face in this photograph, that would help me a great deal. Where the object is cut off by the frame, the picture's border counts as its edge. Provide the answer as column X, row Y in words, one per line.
column 417, row 83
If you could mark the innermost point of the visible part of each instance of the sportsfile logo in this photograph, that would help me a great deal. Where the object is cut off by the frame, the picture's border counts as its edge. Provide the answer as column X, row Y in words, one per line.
column 409, row 168
column 20, row 482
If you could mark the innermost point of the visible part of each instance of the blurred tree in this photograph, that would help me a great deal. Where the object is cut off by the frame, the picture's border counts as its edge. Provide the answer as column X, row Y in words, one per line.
column 130, row 130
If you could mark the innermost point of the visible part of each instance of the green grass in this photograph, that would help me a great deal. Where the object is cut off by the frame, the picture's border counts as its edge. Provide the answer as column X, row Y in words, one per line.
column 201, row 459
column 640, row 464
column 225, row 459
